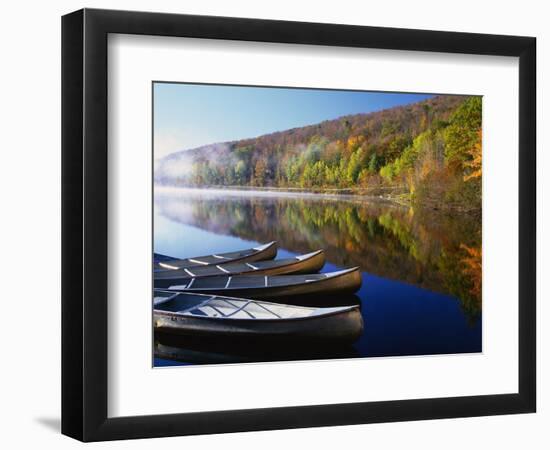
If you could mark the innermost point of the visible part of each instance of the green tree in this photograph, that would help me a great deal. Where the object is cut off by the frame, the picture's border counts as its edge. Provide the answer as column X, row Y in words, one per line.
column 354, row 166
column 373, row 163
column 461, row 135
column 241, row 173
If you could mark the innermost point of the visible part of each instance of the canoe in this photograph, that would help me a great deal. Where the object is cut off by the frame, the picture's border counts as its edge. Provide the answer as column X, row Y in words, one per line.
column 215, row 315
column 309, row 263
column 260, row 253
column 264, row 286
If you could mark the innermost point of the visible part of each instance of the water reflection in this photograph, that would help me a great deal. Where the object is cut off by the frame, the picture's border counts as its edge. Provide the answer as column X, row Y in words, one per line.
column 428, row 249
column 203, row 351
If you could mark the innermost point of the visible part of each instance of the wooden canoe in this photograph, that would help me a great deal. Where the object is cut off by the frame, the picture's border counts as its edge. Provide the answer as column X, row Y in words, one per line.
column 309, row 263
column 260, row 253
column 214, row 315
column 279, row 286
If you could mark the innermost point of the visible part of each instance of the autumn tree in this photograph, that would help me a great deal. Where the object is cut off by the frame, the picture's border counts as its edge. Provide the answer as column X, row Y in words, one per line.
column 474, row 164
column 462, row 134
column 432, row 147
column 260, row 171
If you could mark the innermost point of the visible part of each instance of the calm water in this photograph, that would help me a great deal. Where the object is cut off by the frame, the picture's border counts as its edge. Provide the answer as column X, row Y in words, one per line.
column 421, row 291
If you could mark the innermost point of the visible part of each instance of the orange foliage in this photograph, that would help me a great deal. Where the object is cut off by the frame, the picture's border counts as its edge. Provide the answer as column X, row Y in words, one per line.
column 475, row 163
column 355, row 141
column 472, row 267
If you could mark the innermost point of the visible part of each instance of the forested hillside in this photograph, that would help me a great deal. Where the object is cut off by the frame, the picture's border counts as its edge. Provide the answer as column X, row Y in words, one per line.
column 428, row 152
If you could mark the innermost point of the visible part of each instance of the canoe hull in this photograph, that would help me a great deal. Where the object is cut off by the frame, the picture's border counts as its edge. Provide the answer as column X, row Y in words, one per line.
column 267, row 252
column 347, row 283
column 341, row 326
column 311, row 264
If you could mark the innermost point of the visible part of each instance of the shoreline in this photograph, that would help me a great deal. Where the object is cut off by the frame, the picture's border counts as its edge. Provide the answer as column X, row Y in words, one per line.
column 394, row 195
column 331, row 194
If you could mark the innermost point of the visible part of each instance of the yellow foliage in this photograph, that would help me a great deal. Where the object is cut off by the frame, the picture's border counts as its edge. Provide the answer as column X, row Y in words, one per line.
column 411, row 181
column 355, row 141
column 475, row 163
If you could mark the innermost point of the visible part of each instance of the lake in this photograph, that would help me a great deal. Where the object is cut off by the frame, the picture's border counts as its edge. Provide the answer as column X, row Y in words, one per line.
column 421, row 270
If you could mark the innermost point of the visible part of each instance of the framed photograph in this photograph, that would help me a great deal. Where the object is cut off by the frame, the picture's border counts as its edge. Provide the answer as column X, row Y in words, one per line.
column 273, row 224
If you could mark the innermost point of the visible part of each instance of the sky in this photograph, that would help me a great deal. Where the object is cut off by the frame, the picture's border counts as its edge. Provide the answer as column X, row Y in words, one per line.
column 190, row 115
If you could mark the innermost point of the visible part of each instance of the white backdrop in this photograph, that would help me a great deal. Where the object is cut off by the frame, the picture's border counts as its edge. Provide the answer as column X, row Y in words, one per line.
column 30, row 192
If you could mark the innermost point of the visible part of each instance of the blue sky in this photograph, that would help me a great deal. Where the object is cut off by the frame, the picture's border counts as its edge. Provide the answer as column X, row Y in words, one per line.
column 188, row 116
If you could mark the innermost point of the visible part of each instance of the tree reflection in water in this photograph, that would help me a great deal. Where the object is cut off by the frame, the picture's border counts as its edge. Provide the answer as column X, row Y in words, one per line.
column 430, row 249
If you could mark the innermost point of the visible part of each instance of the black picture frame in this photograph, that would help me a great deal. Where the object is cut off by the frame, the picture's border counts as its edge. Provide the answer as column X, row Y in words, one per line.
column 84, row 224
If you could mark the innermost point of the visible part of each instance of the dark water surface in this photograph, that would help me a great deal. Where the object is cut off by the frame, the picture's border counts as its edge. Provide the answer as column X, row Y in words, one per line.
column 421, row 291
